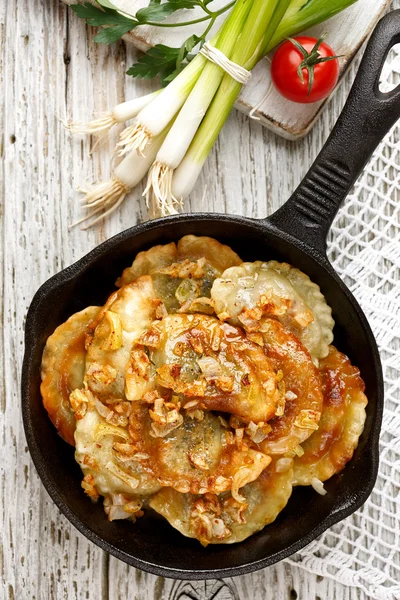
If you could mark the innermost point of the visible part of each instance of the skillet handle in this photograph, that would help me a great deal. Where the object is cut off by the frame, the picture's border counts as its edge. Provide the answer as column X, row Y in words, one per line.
column 367, row 116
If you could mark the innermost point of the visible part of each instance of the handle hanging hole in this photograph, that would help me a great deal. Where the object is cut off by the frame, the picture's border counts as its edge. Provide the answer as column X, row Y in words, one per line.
column 390, row 74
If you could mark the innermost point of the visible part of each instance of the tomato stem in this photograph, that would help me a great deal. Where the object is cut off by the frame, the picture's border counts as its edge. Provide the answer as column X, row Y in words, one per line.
column 310, row 59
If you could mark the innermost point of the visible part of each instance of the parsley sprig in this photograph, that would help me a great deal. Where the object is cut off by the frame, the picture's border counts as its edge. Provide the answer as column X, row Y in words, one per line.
column 160, row 60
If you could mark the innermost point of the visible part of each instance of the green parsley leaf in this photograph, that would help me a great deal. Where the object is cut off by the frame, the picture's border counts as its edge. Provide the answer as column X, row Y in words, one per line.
column 186, row 47
column 158, row 12
column 109, row 35
column 154, row 12
column 168, row 78
column 159, row 60
column 164, row 61
column 96, row 16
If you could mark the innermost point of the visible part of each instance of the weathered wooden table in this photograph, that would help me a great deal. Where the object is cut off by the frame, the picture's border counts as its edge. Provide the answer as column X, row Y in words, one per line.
column 51, row 69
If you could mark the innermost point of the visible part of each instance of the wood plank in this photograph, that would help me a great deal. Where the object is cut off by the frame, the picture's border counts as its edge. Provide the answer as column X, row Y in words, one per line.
column 44, row 556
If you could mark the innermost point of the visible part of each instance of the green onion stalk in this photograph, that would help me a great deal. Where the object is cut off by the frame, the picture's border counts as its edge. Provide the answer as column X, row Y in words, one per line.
column 175, row 128
column 192, row 113
column 153, row 119
column 298, row 15
column 263, row 16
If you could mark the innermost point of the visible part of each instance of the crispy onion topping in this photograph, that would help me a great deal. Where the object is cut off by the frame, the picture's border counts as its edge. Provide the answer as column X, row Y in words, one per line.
column 184, row 269
column 308, row 419
column 257, row 432
column 318, row 486
column 89, row 487
column 206, row 521
column 79, row 400
column 113, row 339
column 248, row 474
column 112, row 416
column 99, row 375
column 119, row 506
column 165, row 416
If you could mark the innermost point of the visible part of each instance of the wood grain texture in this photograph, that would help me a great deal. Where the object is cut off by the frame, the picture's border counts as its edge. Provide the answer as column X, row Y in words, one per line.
column 345, row 32
column 51, row 69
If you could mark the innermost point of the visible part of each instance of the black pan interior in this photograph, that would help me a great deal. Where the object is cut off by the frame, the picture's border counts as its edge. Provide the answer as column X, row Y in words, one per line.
column 151, row 543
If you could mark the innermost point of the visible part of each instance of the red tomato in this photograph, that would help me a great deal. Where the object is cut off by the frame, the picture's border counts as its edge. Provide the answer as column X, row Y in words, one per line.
column 288, row 58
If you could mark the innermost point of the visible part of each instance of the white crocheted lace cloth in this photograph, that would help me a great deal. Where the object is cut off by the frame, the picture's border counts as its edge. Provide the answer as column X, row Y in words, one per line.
column 364, row 247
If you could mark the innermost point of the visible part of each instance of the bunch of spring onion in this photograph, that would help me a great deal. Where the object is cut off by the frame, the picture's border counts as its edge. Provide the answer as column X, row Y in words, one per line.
column 174, row 129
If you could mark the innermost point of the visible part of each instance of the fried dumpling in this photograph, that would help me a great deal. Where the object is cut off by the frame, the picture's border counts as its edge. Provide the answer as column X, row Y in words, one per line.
column 204, row 388
column 222, row 519
column 106, row 455
column 328, row 449
column 196, row 455
column 147, row 261
column 317, row 336
column 252, row 291
column 63, row 369
column 183, row 273
column 198, row 357
column 301, row 411
column 127, row 314
column 218, row 255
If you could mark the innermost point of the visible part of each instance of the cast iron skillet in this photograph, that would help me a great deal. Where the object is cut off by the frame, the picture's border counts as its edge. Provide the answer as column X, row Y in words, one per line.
column 297, row 234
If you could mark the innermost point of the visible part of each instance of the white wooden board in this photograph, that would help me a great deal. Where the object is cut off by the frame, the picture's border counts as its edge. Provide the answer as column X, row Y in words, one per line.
column 346, row 32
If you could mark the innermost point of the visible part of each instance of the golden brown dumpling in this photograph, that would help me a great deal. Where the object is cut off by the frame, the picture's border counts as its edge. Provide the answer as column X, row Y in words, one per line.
column 197, row 455
column 223, row 520
column 126, row 315
column 183, row 273
column 303, row 390
column 106, row 455
column 247, row 293
column 63, row 369
column 329, row 448
column 198, row 357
